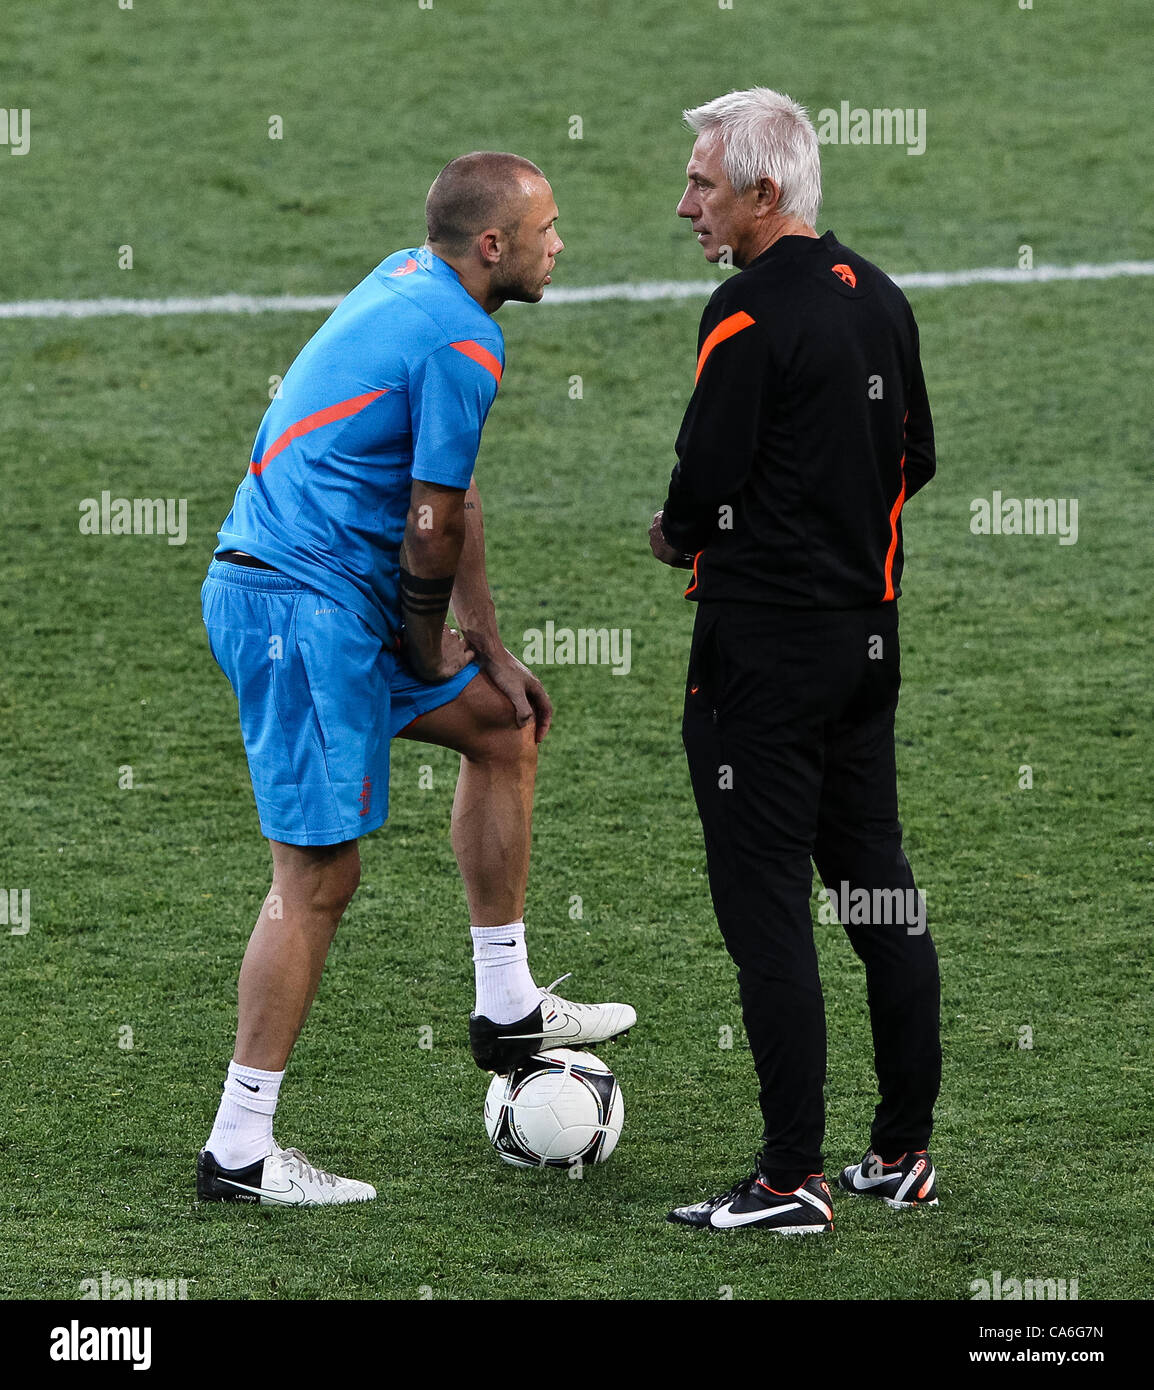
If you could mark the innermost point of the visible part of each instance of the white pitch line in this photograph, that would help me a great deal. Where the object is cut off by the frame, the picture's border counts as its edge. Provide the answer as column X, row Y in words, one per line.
column 645, row 291
column 1000, row 275
column 154, row 308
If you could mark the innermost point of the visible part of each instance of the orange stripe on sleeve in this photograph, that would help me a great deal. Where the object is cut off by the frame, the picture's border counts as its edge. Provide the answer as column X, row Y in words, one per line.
column 693, row 586
column 895, row 513
column 725, row 329
column 481, row 355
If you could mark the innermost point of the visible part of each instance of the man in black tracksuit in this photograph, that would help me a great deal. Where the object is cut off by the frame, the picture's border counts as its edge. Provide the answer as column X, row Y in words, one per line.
column 807, row 432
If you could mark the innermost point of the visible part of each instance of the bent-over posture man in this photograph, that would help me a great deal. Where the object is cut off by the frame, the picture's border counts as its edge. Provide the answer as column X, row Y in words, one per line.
column 807, row 431
column 357, row 525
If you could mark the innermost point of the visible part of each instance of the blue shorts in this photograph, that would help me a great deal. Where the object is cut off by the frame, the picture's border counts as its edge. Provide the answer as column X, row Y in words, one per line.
column 320, row 700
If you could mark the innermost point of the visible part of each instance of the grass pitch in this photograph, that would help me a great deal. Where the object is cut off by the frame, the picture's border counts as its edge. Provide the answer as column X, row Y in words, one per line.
column 149, row 128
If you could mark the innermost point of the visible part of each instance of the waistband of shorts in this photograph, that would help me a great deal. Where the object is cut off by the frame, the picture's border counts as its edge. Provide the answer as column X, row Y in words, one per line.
column 247, row 577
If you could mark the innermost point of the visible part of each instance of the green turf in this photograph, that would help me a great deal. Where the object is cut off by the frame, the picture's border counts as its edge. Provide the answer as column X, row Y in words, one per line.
column 1016, row 651
column 150, row 129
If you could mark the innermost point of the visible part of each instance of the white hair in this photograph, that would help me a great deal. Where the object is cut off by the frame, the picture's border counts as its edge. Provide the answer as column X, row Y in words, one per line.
column 766, row 135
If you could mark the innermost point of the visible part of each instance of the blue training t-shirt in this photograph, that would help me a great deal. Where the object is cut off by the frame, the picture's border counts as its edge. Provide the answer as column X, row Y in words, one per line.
column 395, row 385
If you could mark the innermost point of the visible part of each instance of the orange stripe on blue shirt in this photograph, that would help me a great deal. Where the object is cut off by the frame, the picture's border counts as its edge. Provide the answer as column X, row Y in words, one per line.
column 481, row 355
column 341, row 411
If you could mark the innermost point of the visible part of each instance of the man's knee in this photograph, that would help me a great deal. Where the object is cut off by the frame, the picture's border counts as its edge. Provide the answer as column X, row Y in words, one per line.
column 339, row 883
column 495, row 735
column 322, row 878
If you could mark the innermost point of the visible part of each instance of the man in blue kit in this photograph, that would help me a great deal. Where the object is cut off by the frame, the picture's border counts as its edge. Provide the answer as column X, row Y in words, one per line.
column 356, row 527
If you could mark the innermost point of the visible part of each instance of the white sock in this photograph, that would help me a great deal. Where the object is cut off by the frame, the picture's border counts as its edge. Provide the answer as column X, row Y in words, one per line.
column 242, row 1133
column 505, row 988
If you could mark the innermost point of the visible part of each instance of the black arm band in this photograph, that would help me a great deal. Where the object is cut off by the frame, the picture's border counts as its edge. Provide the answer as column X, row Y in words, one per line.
column 413, row 586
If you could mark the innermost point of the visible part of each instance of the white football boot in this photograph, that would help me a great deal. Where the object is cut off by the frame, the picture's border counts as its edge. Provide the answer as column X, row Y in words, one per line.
column 555, row 1022
column 284, row 1179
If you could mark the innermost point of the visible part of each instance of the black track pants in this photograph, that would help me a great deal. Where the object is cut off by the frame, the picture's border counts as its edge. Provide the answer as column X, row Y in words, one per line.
column 789, row 733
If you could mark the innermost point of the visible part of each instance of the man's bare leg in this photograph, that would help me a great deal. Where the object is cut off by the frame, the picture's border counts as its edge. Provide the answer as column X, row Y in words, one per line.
column 311, row 887
column 282, row 967
column 493, row 806
column 492, row 829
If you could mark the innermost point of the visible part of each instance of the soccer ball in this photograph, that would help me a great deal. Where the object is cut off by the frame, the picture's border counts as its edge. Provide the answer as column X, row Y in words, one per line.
column 556, row 1110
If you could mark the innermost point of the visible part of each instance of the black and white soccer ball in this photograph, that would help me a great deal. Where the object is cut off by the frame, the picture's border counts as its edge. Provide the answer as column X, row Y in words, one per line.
column 555, row 1110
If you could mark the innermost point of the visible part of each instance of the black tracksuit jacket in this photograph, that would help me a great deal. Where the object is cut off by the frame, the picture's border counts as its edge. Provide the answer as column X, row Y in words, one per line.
column 807, row 431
